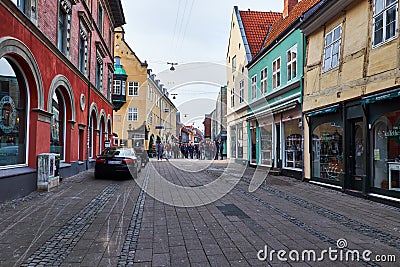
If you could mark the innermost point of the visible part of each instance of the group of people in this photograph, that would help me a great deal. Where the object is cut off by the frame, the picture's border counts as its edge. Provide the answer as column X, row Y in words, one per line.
column 202, row 150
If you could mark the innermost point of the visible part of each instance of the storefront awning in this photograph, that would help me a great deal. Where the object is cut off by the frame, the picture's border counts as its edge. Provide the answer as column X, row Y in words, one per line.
column 326, row 110
column 381, row 96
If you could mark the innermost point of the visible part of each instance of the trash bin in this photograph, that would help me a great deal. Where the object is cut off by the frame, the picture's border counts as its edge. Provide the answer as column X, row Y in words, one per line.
column 48, row 166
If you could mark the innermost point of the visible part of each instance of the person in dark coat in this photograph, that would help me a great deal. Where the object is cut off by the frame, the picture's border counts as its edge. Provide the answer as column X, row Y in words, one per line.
column 221, row 149
column 159, row 150
column 216, row 149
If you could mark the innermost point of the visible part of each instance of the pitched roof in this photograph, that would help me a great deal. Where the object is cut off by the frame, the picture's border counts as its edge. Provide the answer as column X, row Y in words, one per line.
column 256, row 25
column 280, row 25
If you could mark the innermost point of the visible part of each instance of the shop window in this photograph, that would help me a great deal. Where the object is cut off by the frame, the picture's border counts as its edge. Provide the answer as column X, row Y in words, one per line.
column 266, row 145
column 386, row 152
column 91, row 135
column 233, row 141
column 240, row 141
column 293, row 144
column 13, row 115
column 327, row 152
column 57, row 134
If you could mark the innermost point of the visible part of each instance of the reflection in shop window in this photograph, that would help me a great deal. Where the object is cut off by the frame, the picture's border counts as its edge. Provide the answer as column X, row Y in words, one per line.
column 57, row 125
column 13, row 112
column 293, row 144
column 266, row 144
column 386, row 152
column 327, row 151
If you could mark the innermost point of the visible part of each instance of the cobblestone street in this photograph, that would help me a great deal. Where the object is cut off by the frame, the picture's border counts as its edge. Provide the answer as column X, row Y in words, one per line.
column 88, row 222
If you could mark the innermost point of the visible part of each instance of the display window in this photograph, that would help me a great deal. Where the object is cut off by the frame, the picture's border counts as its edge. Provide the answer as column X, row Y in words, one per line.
column 293, row 144
column 327, row 152
column 13, row 113
column 57, row 136
column 386, row 152
column 266, row 145
column 233, row 141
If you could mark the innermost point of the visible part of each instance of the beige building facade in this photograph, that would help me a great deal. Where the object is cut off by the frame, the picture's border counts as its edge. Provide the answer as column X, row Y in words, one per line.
column 144, row 112
column 351, row 94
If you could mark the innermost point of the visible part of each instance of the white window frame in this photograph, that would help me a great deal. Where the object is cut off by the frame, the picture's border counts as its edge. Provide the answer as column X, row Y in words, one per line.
column 241, row 91
column 276, row 73
column 117, row 87
column 254, row 86
column 133, row 88
column 133, row 114
column 291, row 58
column 329, row 45
column 264, row 80
column 381, row 10
column 234, row 63
column 232, row 97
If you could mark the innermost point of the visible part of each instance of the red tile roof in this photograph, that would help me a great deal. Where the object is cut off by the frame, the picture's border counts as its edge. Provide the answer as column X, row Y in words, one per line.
column 282, row 24
column 256, row 24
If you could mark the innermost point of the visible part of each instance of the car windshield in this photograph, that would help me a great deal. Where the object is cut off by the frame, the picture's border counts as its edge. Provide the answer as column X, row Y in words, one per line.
column 117, row 152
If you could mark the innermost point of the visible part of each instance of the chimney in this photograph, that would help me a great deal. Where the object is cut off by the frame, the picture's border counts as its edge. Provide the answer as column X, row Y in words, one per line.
column 288, row 5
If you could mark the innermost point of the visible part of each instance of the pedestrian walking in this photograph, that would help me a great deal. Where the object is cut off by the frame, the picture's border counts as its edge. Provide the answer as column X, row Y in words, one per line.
column 221, row 149
column 159, row 150
column 216, row 149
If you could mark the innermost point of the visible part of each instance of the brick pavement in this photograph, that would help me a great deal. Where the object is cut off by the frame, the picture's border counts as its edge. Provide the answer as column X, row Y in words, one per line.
column 89, row 222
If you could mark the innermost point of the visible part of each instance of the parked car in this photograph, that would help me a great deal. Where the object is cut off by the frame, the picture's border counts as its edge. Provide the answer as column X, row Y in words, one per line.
column 117, row 162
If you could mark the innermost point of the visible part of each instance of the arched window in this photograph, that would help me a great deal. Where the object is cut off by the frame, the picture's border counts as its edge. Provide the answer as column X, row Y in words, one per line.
column 57, row 129
column 13, row 114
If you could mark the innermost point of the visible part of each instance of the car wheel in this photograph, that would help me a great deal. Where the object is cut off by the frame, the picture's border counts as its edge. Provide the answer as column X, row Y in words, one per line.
column 97, row 176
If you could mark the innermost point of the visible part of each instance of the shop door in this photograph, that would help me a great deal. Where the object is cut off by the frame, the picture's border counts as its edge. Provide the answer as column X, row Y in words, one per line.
column 356, row 155
column 278, row 146
column 253, row 145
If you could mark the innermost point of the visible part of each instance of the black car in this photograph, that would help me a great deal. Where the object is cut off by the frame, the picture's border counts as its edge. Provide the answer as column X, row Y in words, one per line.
column 117, row 162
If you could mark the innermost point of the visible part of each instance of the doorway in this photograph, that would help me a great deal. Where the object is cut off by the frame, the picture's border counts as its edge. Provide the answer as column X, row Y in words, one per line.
column 356, row 170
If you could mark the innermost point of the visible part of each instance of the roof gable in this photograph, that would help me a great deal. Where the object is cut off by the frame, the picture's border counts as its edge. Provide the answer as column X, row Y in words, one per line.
column 256, row 25
column 282, row 24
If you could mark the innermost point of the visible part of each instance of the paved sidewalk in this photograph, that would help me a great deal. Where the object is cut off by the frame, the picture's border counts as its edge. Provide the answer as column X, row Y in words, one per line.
column 88, row 222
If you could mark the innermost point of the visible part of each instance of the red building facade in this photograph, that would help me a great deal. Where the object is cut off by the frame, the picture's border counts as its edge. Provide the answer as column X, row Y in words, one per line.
column 56, row 74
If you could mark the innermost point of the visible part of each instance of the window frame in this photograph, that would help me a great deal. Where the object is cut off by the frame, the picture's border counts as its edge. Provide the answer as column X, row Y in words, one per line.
column 254, row 86
column 241, row 91
column 133, row 114
column 290, row 62
column 264, row 80
column 234, row 63
column 117, row 87
column 133, row 88
column 330, row 48
column 100, row 17
column 276, row 73
column 383, row 12
column 232, row 97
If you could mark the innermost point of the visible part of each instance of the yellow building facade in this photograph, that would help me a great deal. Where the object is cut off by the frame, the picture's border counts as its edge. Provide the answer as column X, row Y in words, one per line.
column 143, row 101
column 351, row 94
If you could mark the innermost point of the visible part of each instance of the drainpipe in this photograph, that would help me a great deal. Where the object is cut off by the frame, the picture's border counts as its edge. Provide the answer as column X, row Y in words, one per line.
column 88, row 95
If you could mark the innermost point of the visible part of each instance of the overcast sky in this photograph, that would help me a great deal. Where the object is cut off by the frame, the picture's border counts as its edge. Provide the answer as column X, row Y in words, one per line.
column 187, row 32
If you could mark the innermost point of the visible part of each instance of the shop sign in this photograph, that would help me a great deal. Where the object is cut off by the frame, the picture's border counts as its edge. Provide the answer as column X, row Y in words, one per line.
column 393, row 132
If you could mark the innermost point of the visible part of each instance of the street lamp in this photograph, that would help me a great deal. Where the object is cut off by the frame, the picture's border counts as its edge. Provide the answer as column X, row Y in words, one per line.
column 172, row 65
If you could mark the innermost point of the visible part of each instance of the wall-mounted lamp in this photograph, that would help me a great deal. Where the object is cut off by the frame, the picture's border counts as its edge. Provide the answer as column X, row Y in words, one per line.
column 174, row 96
